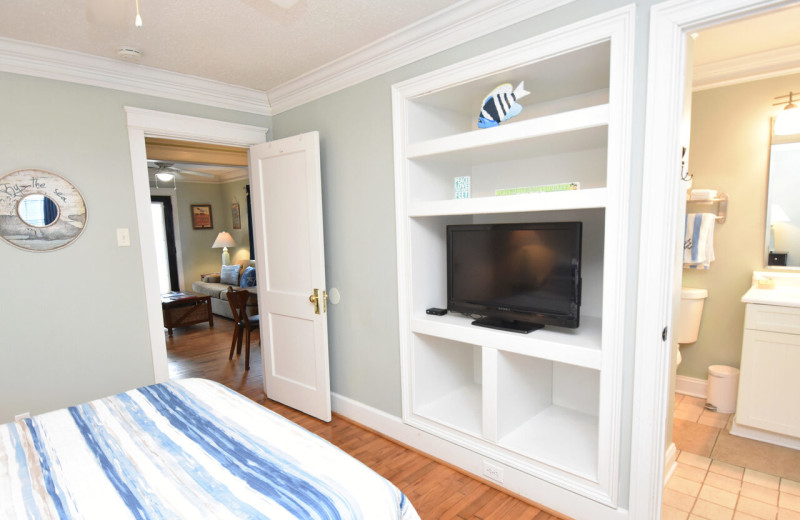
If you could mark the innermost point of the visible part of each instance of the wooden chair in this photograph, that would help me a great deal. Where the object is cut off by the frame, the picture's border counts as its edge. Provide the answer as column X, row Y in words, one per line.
column 244, row 323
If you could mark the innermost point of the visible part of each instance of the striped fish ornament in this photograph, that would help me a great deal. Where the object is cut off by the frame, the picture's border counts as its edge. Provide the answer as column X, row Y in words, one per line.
column 501, row 104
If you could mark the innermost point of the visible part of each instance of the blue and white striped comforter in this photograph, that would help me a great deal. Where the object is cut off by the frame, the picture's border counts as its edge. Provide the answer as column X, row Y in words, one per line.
column 179, row 450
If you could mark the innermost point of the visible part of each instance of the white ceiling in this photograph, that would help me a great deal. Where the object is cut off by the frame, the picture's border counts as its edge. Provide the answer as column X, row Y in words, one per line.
column 249, row 43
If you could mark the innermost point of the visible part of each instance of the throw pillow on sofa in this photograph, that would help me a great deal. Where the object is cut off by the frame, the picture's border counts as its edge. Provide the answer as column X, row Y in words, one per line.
column 248, row 277
column 229, row 275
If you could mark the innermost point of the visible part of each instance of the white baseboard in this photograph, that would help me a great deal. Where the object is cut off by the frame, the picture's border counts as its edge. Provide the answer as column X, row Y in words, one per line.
column 691, row 386
column 515, row 481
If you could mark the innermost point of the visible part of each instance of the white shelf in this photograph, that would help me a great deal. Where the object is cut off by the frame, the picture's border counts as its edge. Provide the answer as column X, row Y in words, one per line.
column 580, row 129
column 559, row 437
column 545, row 403
column 579, row 347
column 561, row 200
column 459, row 409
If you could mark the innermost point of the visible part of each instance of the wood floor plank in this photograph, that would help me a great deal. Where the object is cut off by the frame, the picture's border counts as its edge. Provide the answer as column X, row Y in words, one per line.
column 437, row 491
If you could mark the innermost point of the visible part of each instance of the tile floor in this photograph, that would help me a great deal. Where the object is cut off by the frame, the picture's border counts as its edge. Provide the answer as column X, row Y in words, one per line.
column 704, row 488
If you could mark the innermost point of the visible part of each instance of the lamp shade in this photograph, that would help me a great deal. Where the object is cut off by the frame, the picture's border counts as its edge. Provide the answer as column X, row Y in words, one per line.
column 224, row 239
column 778, row 215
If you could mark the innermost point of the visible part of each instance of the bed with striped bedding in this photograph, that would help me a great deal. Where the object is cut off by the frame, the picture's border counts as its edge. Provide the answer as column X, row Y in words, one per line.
column 183, row 449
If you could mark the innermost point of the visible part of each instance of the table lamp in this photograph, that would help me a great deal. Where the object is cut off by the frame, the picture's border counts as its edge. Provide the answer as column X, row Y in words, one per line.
column 224, row 240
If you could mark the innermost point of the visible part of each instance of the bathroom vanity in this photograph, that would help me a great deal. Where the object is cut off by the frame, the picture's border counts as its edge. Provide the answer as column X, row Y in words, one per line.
column 768, row 404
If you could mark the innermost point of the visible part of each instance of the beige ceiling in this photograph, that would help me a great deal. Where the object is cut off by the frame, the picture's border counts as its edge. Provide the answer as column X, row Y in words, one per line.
column 250, row 43
column 776, row 30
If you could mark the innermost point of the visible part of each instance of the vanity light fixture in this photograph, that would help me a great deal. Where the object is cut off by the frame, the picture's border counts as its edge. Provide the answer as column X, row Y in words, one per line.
column 788, row 121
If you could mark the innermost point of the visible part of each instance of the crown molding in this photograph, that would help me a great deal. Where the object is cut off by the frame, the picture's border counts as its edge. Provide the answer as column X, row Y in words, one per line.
column 457, row 24
column 760, row 65
column 49, row 62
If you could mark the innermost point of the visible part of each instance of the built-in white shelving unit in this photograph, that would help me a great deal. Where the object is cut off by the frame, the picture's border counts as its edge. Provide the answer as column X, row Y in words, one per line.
column 545, row 403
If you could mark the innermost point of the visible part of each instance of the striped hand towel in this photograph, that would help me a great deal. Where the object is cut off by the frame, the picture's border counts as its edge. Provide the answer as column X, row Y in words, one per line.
column 698, row 243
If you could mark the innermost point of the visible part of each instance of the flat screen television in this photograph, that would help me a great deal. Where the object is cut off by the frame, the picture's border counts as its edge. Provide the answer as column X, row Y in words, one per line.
column 517, row 277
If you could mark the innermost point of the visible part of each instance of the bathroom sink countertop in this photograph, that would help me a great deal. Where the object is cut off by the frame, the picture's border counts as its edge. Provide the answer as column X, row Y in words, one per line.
column 786, row 292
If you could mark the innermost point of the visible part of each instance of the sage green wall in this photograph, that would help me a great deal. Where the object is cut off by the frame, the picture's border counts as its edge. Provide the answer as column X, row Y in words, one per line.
column 729, row 152
column 197, row 255
column 355, row 128
column 234, row 192
column 73, row 321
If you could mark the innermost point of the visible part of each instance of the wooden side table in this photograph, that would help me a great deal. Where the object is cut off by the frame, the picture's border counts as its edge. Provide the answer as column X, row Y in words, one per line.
column 185, row 308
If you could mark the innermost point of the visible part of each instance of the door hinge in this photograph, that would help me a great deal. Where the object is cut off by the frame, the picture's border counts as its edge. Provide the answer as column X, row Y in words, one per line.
column 664, row 334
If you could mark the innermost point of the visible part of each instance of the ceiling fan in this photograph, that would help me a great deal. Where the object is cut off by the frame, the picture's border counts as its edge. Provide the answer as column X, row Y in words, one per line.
column 166, row 171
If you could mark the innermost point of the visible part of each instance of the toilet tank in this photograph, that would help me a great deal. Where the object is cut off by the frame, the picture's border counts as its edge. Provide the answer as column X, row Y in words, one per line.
column 691, row 311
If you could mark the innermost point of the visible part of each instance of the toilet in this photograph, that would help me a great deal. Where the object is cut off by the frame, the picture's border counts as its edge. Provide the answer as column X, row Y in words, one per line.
column 691, row 311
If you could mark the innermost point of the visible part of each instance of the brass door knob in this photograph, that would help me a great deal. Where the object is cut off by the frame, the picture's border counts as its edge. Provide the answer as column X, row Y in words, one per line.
column 315, row 299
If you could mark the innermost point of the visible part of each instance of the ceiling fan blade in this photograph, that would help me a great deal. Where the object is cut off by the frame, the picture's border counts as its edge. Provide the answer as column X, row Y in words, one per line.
column 192, row 172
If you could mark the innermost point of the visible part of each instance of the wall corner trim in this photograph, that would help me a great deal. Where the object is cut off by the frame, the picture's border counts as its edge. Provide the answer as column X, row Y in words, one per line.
column 760, row 65
column 443, row 30
column 42, row 61
column 459, row 23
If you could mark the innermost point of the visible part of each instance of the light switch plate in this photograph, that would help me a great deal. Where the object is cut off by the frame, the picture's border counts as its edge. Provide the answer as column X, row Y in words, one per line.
column 123, row 237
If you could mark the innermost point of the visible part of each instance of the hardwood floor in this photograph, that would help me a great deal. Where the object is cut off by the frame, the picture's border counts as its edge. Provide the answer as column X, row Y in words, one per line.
column 436, row 490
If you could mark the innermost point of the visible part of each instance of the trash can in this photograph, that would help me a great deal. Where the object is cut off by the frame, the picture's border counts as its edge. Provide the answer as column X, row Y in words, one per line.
column 723, row 384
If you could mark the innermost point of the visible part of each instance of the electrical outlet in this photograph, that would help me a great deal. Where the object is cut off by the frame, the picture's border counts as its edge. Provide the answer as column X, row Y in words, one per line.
column 492, row 472
column 22, row 416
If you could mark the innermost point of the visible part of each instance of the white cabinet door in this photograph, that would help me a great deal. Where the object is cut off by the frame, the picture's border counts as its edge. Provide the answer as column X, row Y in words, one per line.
column 769, row 389
column 287, row 226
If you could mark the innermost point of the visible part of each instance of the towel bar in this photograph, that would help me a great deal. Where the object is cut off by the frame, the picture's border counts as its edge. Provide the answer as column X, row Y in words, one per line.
column 721, row 200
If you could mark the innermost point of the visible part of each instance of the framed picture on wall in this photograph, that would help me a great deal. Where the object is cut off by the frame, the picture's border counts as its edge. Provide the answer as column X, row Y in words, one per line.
column 201, row 216
column 237, row 216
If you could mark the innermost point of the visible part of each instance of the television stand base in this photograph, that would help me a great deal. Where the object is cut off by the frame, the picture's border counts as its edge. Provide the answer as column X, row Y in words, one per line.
column 512, row 326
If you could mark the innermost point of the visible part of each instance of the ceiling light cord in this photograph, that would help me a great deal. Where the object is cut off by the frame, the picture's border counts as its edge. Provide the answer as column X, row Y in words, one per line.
column 138, row 21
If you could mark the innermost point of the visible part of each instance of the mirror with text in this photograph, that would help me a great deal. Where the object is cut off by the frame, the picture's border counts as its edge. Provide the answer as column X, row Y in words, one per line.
column 783, row 211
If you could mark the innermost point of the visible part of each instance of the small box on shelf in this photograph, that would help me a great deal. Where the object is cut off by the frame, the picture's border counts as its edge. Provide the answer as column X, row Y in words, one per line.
column 462, row 187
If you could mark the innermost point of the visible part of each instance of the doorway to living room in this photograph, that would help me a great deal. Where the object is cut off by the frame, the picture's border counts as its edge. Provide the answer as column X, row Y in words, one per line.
column 144, row 123
column 206, row 186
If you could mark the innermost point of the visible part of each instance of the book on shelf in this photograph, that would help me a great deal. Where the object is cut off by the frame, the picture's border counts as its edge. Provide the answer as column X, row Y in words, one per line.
column 543, row 188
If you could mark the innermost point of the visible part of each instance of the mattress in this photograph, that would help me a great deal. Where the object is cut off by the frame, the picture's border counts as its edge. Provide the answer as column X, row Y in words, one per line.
column 183, row 449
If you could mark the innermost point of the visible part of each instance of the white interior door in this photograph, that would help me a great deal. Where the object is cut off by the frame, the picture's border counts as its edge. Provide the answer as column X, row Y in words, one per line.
column 287, row 227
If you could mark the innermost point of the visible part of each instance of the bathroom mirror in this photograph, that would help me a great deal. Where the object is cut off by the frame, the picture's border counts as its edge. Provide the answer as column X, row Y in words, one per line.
column 782, row 235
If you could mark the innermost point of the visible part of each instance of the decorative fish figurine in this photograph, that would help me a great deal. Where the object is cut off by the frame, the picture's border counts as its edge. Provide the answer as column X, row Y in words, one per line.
column 501, row 104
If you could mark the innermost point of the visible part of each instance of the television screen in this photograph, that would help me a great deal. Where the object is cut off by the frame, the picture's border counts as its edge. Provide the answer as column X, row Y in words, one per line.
column 517, row 276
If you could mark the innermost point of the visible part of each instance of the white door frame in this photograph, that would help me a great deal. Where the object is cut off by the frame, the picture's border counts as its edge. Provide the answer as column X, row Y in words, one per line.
column 150, row 123
column 670, row 22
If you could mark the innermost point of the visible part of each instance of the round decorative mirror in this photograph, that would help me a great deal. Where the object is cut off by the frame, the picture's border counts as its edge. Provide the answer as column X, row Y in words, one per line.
column 39, row 210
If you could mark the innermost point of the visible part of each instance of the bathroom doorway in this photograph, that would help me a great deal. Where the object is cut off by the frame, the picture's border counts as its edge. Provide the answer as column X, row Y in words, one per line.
column 711, row 472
